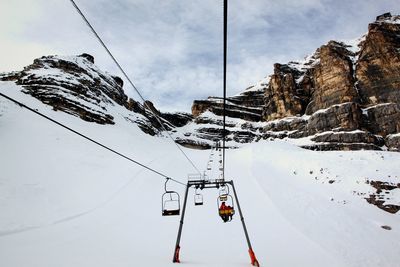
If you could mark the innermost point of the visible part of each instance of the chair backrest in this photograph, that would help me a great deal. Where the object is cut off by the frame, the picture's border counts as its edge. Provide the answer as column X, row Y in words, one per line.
column 170, row 203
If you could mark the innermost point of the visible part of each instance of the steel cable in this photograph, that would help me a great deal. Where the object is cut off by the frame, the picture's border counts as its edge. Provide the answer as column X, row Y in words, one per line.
column 130, row 82
column 90, row 139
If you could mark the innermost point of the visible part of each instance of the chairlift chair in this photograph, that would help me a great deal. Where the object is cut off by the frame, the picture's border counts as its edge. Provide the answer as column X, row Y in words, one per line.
column 198, row 199
column 226, row 211
column 170, row 202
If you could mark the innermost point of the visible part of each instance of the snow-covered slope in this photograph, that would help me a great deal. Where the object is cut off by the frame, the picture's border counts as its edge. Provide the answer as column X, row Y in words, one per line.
column 67, row 202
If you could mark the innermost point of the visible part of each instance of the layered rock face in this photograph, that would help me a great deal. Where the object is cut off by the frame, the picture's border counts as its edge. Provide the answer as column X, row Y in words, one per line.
column 246, row 106
column 242, row 111
column 378, row 65
column 333, row 77
column 73, row 84
column 341, row 97
column 284, row 97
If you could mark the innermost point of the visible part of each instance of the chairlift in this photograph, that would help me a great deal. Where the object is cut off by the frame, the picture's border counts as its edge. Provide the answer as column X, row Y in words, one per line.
column 225, row 204
column 170, row 202
column 198, row 199
column 224, row 190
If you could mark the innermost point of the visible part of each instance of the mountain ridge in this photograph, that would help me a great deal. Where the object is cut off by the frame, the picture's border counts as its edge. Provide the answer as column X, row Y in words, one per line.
column 338, row 89
column 341, row 97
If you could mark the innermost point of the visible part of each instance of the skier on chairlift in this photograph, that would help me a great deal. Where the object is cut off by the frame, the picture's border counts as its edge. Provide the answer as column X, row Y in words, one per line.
column 230, row 212
column 223, row 212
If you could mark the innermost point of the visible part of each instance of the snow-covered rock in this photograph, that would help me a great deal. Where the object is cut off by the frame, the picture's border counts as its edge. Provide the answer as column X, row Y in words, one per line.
column 340, row 87
column 73, row 85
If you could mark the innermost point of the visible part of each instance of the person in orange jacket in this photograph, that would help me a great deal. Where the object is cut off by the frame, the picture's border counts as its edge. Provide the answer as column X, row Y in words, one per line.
column 223, row 206
column 229, row 211
column 222, row 212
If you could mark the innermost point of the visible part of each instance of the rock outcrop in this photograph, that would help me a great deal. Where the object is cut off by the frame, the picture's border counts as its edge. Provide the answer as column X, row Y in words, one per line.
column 379, row 198
column 333, row 76
column 341, row 97
column 74, row 85
column 284, row 97
column 393, row 142
column 378, row 64
column 247, row 105
column 341, row 117
column 382, row 119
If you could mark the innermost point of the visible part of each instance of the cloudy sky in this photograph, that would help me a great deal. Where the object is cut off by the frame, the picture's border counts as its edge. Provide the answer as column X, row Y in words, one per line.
column 172, row 49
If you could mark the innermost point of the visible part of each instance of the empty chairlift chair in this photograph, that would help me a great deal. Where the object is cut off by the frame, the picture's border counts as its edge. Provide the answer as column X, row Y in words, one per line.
column 198, row 199
column 170, row 202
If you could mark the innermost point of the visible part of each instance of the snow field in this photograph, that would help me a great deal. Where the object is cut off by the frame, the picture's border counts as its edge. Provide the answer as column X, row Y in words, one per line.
column 67, row 202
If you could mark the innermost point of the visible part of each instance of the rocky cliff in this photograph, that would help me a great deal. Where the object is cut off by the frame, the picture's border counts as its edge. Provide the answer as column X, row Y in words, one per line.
column 75, row 85
column 343, row 96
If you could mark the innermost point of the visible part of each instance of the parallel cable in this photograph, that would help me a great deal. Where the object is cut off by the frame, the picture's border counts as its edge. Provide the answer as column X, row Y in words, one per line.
column 91, row 140
column 130, row 82
column 224, row 103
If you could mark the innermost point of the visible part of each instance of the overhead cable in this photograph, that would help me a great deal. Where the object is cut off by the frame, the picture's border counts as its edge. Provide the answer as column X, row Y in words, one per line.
column 224, row 86
column 91, row 140
column 130, row 82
